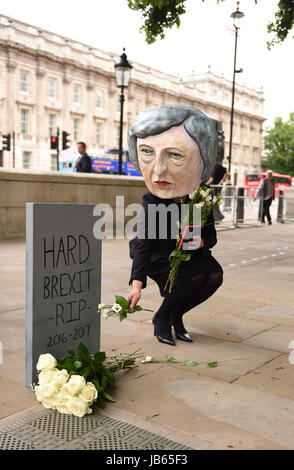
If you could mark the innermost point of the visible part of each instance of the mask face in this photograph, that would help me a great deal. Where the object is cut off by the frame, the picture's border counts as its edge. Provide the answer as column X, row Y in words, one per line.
column 170, row 163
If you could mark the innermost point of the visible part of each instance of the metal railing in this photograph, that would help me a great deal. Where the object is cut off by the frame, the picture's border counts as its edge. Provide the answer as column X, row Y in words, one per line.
column 239, row 207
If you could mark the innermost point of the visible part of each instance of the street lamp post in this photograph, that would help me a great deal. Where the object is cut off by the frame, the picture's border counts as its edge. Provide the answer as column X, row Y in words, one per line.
column 237, row 15
column 122, row 71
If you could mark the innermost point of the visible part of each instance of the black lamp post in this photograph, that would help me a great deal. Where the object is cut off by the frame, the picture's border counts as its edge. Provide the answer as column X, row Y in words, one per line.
column 237, row 15
column 122, row 71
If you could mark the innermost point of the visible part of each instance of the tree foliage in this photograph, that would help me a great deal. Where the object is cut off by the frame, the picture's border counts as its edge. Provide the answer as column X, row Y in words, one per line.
column 158, row 15
column 279, row 144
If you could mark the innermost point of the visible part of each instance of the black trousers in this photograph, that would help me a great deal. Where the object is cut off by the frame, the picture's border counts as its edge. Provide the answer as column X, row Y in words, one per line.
column 266, row 211
column 189, row 289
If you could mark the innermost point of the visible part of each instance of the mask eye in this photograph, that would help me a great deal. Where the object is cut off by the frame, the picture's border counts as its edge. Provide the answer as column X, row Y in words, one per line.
column 176, row 158
column 147, row 154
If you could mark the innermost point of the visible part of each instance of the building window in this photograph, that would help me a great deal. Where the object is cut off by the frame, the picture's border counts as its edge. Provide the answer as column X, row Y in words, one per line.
column 52, row 124
column 52, row 88
column 77, row 94
column 26, row 160
column 24, row 121
column 99, row 133
column 99, row 99
column 53, row 162
column 235, row 132
column 138, row 107
column 245, row 134
column 77, row 129
column 118, row 104
column 117, row 136
column 24, row 81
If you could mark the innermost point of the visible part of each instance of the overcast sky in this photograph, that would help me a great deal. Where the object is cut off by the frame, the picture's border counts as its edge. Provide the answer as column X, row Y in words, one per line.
column 203, row 38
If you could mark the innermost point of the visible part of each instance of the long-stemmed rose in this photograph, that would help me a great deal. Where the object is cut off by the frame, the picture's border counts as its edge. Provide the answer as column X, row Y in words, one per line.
column 120, row 308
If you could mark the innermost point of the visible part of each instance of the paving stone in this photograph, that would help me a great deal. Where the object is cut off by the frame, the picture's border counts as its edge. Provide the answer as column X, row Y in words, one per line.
column 263, row 414
column 276, row 339
column 275, row 377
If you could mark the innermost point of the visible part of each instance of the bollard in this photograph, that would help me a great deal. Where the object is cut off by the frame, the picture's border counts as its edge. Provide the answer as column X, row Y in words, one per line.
column 240, row 205
column 280, row 206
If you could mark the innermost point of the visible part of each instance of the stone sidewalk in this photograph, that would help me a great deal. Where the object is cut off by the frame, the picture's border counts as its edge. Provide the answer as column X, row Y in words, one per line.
column 241, row 404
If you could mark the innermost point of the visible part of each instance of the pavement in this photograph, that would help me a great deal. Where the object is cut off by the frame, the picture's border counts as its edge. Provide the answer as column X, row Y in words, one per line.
column 241, row 404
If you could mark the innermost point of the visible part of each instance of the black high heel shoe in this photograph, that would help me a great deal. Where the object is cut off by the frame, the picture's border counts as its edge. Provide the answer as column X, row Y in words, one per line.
column 162, row 338
column 180, row 331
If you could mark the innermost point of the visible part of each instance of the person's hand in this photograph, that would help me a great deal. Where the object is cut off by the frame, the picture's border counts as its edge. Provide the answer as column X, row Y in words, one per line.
column 195, row 243
column 135, row 294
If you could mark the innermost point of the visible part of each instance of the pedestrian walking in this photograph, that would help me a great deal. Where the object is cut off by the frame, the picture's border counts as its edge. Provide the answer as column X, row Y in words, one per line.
column 83, row 163
column 266, row 190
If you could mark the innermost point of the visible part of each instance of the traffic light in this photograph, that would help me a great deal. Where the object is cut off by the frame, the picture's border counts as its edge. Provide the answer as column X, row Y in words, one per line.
column 65, row 140
column 6, row 142
column 54, row 142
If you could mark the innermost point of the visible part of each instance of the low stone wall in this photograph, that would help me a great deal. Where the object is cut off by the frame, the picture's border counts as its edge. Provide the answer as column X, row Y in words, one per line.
column 17, row 187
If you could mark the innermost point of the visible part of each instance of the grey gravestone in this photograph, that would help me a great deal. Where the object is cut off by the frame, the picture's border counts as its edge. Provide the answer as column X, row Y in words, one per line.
column 63, row 283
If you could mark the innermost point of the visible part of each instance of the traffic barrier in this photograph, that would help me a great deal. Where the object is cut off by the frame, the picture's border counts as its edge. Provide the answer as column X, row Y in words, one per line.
column 285, row 212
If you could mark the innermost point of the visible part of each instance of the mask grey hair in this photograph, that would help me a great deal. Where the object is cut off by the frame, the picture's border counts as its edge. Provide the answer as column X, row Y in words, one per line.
column 159, row 119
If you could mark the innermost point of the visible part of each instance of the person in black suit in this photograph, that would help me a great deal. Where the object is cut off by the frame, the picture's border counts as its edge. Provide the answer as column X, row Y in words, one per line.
column 83, row 164
column 174, row 147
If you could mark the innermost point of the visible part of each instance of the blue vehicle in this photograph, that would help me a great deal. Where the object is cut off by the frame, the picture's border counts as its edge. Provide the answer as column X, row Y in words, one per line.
column 104, row 164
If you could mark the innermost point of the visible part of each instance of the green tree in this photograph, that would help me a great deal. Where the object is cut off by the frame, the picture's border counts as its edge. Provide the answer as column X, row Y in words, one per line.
column 158, row 15
column 279, row 144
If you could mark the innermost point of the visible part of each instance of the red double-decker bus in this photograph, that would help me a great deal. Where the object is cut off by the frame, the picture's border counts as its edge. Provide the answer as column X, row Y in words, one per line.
column 252, row 180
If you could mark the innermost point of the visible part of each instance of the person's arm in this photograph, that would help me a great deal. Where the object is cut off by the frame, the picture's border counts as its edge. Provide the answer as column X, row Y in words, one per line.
column 208, row 232
column 141, row 257
column 223, row 178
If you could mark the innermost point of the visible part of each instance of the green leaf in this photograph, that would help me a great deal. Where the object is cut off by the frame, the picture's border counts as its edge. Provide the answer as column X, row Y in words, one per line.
column 122, row 315
column 190, row 363
column 122, row 301
column 100, row 356
column 97, row 385
column 212, row 364
column 108, row 376
column 83, row 350
column 71, row 352
column 87, row 372
column 170, row 358
column 99, row 401
column 108, row 397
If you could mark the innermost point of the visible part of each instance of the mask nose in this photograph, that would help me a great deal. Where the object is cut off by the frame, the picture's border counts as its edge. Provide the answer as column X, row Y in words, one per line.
column 160, row 164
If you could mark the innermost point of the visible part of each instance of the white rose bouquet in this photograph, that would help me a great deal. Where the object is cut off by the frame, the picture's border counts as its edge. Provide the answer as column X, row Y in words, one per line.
column 203, row 199
column 120, row 308
column 73, row 384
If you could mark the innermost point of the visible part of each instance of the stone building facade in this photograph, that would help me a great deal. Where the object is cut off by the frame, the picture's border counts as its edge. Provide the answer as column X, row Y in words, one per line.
column 48, row 81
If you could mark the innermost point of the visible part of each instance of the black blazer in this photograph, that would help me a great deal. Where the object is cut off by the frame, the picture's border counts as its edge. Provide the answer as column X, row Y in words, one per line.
column 146, row 251
column 84, row 164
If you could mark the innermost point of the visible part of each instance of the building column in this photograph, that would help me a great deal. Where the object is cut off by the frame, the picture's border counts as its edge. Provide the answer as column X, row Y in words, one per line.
column 40, row 119
column 10, row 106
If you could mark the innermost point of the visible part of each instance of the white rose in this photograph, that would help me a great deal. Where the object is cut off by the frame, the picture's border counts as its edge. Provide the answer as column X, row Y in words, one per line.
column 291, row 357
column 45, row 391
column 78, row 407
column 148, row 358
column 88, row 393
column 116, row 307
column 105, row 313
column 60, row 377
column 74, row 385
column 48, row 403
column 46, row 361
column 63, row 408
column 46, row 375
column 100, row 306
